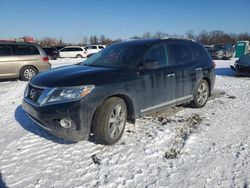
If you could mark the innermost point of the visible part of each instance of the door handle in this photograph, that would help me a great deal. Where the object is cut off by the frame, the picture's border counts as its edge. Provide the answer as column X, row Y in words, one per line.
column 198, row 69
column 171, row 75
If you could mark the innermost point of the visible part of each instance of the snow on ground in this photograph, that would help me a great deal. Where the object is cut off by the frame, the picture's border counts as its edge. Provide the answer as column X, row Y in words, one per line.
column 177, row 147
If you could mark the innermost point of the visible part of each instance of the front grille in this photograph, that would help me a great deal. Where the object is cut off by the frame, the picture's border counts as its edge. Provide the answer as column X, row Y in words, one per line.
column 34, row 93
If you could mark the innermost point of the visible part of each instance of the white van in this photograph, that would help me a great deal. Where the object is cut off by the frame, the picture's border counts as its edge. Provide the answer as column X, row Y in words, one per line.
column 73, row 51
column 92, row 49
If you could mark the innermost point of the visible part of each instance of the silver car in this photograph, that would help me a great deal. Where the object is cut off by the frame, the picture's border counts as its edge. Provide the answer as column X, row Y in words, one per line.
column 221, row 51
column 22, row 60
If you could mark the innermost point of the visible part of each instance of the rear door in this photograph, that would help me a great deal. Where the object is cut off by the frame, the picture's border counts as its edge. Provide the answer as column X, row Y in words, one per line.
column 26, row 54
column 78, row 51
column 65, row 52
column 157, row 85
column 8, row 62
column 185, row 68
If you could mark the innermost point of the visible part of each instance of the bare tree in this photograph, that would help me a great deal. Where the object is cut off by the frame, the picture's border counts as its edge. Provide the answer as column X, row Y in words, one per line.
column 48, row 41
column 190, row 35
column 85, row 40
column 147, row 35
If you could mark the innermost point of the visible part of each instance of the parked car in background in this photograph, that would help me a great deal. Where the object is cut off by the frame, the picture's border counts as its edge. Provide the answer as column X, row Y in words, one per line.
column 120, row 83
column 22, row 60
column 92, row 49
column 242, row 65
column 52, row 52
column 221, row 51
column 208, row 47
column 73, row 51
column 58, row 47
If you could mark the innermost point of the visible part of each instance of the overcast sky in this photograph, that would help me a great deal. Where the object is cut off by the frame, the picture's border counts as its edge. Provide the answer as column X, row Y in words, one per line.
column 73, row 19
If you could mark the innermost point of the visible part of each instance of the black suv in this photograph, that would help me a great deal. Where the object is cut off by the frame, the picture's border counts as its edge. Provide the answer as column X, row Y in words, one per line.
column 118, row 84
column 52, row 52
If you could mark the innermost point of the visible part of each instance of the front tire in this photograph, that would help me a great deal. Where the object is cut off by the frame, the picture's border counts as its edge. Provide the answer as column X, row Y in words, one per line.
column 201, row 94
column 27, row 73
column 109, row 121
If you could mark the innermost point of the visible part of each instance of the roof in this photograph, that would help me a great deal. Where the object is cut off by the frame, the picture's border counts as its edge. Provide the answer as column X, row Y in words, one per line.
column 153, row 41
column 16, row 42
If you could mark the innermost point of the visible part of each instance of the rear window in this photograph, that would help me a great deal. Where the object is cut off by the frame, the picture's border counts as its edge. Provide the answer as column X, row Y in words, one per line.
column 199, row 52
column 25, row 50
column 5, row 50
column 181, row 53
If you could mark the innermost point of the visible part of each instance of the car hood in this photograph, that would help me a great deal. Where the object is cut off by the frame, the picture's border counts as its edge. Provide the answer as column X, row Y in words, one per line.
column 75, row 75
column 244, row 60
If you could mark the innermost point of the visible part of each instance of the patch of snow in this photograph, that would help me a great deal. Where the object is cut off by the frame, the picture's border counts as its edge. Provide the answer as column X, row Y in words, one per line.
column 206, row 147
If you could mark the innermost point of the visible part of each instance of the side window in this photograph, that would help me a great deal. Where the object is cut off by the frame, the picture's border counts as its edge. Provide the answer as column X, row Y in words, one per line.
column 158, row 54
column 100, row 47
column 5, row 50
column 25, row 50
column 199, row 52
column 181, row 53
column 94, row 47
column 65, row 50
column 78, row 49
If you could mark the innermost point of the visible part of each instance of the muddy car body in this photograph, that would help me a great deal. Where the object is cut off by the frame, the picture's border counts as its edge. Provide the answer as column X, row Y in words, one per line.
column 118, row 84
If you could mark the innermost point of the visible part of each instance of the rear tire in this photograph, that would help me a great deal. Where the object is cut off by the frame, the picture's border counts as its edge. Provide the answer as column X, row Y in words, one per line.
column 201, row 95
column 78, row 56
column 28, row 72
column 109, row 121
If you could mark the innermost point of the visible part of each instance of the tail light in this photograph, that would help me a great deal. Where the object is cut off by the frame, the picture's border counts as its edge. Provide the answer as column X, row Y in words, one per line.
column 46, row 59
column 213, row 64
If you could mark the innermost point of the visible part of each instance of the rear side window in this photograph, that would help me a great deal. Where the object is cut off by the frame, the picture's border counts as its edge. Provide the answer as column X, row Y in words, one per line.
column 181, row 53
column 94, row 47
column 77, row 49
column 65, row 50
column 25, row 50
column 100, row 47
column 5, row 50
column 199, row 52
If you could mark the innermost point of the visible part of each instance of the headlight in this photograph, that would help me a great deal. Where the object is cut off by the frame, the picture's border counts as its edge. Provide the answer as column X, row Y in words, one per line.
column 66, row 94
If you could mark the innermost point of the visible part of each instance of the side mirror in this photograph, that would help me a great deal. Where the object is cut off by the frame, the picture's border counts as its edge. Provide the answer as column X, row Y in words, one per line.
column 149, row 64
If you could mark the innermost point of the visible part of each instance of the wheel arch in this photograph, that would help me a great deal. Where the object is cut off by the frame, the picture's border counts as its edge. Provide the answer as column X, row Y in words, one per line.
column 25, row 66
column 129, row 104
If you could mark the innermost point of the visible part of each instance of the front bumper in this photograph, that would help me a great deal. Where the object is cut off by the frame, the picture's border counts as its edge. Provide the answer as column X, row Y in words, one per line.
column 49, row 116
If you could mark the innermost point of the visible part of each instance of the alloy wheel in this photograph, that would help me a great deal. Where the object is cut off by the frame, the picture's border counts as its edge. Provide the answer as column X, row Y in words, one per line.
column 29, row 73
column 116, row 121
column 202, row 93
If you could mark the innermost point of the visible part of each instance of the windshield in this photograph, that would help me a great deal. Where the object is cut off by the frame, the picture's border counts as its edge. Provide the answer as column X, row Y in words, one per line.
column 117, row 55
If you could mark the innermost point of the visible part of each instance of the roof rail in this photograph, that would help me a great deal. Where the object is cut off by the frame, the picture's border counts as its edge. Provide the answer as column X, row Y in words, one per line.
column 179, row 38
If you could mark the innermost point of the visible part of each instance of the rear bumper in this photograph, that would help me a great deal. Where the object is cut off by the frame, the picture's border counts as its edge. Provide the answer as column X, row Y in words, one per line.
column 49, row 116
column 44, row 66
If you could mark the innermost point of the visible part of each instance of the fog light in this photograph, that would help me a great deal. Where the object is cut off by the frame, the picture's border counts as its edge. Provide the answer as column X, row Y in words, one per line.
column 65, row 123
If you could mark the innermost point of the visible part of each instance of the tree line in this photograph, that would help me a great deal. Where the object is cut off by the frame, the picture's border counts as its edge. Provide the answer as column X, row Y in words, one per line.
column 205, row 37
